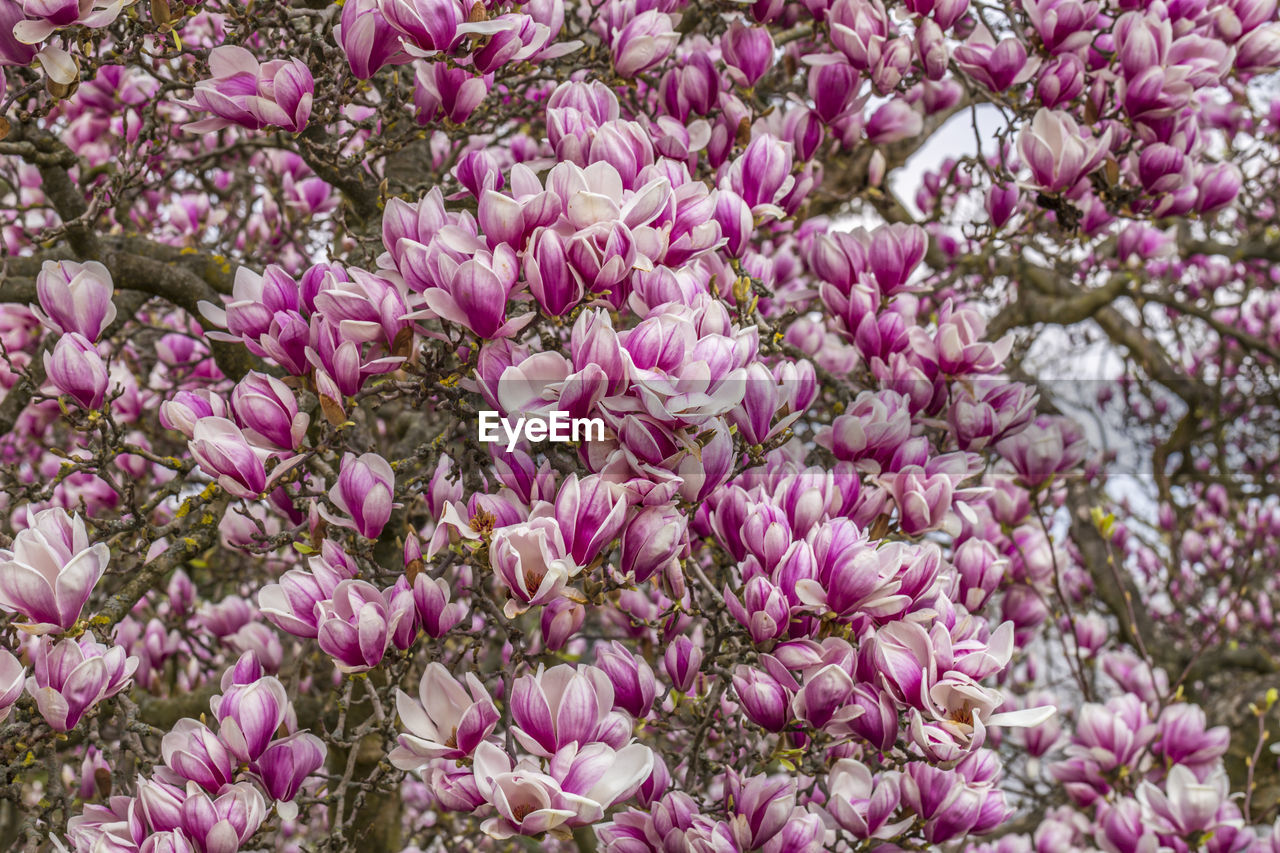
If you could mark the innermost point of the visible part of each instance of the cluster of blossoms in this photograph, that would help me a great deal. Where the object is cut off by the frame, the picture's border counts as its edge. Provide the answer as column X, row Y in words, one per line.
column 209, row 792
column 839, row 573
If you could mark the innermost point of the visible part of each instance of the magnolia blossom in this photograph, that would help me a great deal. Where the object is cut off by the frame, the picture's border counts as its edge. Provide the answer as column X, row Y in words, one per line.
column 229, row 818
column 1058, row 152
column 249, row 715
column 12, row 679
column 555, row 707
column 51, row 571
column 72, row 676
column 287, row 763
column 582, row 783
column 267, row 410
column 364, row 493
column 76, row 369
column 245, row 93
column 645, row 41
column 1187, row 805
column 50, row 15
column 76, row 297
column 355, row 626
column 530, row 560
column 862, row 804
column 447, row 721
column 226, row 456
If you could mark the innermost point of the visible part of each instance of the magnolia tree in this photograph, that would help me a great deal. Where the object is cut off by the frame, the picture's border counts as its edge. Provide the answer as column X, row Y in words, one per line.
column 834, row 565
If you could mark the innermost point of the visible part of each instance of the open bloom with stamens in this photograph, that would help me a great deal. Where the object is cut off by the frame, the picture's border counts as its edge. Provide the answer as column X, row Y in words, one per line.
column 447, row 720
column 527, row 801
column 963, row 709
column 530, row 559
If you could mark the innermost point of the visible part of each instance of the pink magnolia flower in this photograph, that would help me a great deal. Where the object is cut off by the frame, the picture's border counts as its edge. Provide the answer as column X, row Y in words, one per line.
column 682, row 663
column 71, row 677
column 949, row 806
column 448, row 720
column 226, row 456
column 364, row 493
column 355, row 626
column 527, row 801
column 431, row 598
column 367, row 39
column 249, row 715
column 474, row 293
column 1187, row 805
column 748, row 51
column 47, row 16
column 1185, row 737
column 596, row 776
column 581, row 783
column 923, row 499
column 267, row 411
column 291, row 604
column 761, row 806
column 427, row 26
column 51, row 571
column 76, row 369
column 761, row 608
column 860, row 31
column 645, row 41
column 555, row 707
column 762, row 175
column 962, row 711
column 632, row 678
column 263, row 313
column 653, row 538
column 893, row 121
column 452, row 93
column 997, row 66
column 530, row 559
column 287, row 762
column 181, row 413
column 852, row 576
column 1046, row 447
column 590, row 513
column 225, row 821
column 12, row 677
column 76, row 297
column 195, row 754
column 365, row 307
column 245, row 93
column 1058, row 152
